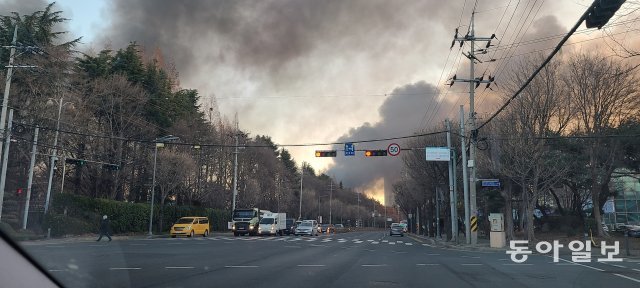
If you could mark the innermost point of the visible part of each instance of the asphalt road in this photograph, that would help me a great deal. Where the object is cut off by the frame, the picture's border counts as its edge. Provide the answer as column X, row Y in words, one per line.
column 355, row 259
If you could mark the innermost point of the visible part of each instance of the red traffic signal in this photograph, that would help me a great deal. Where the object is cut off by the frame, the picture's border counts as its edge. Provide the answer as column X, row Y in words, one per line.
column 371, row 153
column 326, row 153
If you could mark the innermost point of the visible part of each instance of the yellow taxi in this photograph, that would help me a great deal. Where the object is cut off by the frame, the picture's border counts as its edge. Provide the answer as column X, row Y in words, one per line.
column 190, row 226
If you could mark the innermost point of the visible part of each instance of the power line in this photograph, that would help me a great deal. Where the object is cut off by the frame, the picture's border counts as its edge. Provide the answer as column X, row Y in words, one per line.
column 535, row 73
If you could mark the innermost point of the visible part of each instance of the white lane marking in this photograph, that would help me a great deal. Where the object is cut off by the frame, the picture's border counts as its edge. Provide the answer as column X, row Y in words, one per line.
column 241, row 266
column 636, row 269
column 291, row 246
column 373, row 265
column 125, row 268
column 179, row 267
column 56, row 270
column 517, row 264
column 317, row 245
column 474, row 257
column 136, row 244
column 58, row 246
column 369, row 240
column 471, row 264
column 342, row 239
column 594, row 268
column 427, row 264
column 399, row 241
column 433, row 254
column 311, row 265
column 385, row 241
column 375, row 242
column 425, row 244
column 627, row 277
column 392, row 243
column 357, row 242
column 409, row 244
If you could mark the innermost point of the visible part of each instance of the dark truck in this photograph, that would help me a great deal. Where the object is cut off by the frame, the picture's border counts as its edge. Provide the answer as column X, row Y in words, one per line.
column 245, row 221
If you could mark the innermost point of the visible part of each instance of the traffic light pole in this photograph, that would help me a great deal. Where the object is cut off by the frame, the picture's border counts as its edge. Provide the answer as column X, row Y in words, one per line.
column 52, row 162
column 32, row 165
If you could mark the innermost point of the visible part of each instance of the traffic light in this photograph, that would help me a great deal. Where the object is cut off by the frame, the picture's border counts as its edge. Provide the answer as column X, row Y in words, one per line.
column 79, row 162
column 601, row 12
column 113, row 167
column 326, row 153
column 371, row 153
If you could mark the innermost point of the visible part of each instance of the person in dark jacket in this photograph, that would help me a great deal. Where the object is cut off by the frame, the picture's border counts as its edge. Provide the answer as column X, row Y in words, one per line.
column 104, row 228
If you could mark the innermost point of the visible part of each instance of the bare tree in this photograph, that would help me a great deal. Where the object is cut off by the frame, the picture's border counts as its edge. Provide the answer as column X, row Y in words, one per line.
column 172, row 170
column 604, row 93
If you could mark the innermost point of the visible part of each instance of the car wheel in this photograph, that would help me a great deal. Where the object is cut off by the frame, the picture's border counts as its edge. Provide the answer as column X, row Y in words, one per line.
column 206, row 233
column 191, row 233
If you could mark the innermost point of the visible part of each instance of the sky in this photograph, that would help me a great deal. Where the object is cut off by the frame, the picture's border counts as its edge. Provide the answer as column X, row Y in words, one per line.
column 307, row 71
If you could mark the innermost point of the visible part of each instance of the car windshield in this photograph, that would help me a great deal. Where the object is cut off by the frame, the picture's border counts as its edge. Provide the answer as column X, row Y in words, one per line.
column 184, row 221
column 267, row 221
column 160, row 143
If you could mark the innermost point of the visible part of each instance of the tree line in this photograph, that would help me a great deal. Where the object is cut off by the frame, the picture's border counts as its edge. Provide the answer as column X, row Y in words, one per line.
column 115, row 104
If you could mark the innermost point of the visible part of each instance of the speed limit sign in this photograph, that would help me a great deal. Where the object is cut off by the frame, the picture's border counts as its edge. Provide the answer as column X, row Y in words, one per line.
column 393, row 149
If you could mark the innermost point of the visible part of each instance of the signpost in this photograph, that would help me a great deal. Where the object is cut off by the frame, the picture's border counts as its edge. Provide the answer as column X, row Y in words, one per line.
column 393, row 149
column 349, row 149
column 437, row 154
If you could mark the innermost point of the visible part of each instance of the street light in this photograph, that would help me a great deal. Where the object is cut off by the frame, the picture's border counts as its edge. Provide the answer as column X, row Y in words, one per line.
column 61, row 104
column 158, row 142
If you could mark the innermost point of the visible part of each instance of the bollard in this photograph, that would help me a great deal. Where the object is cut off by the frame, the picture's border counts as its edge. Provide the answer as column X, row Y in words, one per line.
column 626, row 241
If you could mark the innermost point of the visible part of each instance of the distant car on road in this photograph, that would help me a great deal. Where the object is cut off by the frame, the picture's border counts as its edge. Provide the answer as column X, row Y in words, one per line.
column 396, row 229
column 327, row 228
column 340, row 228
column 291, row 225
column 307, row 227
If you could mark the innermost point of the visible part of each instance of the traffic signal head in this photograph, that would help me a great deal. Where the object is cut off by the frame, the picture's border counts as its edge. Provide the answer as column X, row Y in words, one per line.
column 326, row 153
column 370, row 153
column 79, row 162
column 601, row 12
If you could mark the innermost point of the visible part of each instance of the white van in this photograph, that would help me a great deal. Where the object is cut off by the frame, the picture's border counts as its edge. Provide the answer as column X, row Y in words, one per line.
column 273, row 224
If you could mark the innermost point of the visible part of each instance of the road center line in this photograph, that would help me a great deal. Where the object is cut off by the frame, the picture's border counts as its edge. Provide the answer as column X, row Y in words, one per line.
column 125, row 268
column 241, row 266
column 179, row 267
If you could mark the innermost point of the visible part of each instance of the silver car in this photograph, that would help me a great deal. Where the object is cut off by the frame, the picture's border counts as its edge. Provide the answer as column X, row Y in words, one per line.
column 396, row 229
column 306, row 228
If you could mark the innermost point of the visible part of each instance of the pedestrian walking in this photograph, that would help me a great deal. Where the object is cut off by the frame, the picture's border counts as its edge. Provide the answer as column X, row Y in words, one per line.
column 104, row 228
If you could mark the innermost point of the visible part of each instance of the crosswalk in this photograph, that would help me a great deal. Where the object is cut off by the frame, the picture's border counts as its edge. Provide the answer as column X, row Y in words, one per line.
column 322, row 240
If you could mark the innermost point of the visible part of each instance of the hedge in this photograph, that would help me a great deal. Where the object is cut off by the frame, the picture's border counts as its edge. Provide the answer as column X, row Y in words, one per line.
column 72, row 214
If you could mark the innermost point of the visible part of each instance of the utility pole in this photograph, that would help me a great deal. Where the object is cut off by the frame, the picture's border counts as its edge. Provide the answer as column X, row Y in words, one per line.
column 474, row 82
column 235, row 168
column 5, row 159
column 330, row 198
column 465, row 178
column 54, row 157
column 301, row 177
column 438, row 212
column 7, row 86
column 32, row 165
column 452, row 192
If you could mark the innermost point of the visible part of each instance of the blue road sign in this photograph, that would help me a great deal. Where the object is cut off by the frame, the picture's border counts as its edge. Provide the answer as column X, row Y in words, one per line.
column 491, row 183
column 349, row 149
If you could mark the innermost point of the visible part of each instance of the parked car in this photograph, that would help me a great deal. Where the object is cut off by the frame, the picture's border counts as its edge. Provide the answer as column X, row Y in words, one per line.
column 396, row 229
column 307, row 227
column 190, row 226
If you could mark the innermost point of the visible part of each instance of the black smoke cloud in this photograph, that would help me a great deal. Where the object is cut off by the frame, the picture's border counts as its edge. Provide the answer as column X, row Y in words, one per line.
column 399, row 115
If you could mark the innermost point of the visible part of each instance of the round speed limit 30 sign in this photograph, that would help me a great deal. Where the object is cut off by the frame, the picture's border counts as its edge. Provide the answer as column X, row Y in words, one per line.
column 393, row 149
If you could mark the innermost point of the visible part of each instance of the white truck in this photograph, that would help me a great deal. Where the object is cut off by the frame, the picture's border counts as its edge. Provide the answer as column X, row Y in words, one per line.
column 273, row 224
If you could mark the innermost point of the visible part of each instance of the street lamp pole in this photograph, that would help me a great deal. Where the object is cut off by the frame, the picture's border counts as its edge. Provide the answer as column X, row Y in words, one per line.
column 153, row 181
